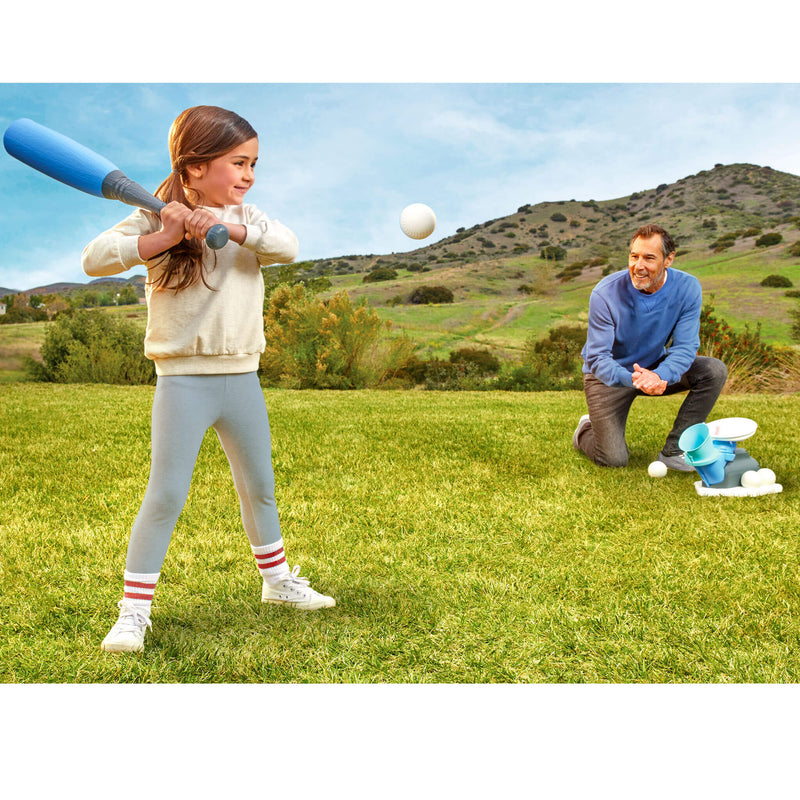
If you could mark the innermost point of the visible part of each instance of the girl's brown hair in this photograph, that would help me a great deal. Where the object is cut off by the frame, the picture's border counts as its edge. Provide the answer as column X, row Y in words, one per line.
column 197, row 135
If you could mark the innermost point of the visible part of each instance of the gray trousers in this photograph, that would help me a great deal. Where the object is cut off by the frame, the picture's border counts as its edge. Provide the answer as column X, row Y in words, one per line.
column 603, row 441
column 184, row 408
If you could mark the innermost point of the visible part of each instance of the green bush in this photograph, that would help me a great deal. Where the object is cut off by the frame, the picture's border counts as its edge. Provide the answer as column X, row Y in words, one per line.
column 482, row 359
column 557, row 355
column 794, row 250
column 92, row 347
column 446, row 376
column 746, row 350
column 777, row 280
column 558, row 217
column 423, row 295
column 768, row 239
column 380, row 274
column 20, row 314
column 553, row 251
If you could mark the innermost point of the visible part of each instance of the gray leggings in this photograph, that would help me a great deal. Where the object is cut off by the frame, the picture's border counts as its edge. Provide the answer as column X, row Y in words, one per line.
column 184, row 408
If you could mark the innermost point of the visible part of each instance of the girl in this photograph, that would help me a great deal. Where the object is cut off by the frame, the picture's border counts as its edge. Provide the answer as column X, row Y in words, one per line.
column 205, row 335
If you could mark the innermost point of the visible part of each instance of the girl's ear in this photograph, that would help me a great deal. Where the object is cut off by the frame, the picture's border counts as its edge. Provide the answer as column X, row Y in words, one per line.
column 196, row 170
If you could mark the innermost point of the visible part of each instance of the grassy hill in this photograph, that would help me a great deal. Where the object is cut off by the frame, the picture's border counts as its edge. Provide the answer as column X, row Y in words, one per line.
column 505, row 292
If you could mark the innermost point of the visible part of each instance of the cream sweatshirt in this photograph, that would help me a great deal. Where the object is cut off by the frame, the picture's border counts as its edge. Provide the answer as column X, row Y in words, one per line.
column 197, row 331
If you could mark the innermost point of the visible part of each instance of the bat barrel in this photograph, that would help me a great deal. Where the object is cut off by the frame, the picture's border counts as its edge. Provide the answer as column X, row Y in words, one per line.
column 56, row 155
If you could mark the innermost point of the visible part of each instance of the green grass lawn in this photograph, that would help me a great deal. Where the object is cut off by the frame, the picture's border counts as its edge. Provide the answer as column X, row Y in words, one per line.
column 463, row 538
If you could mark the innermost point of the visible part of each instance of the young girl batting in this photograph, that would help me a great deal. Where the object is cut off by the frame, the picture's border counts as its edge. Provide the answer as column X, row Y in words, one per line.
column 205, row 335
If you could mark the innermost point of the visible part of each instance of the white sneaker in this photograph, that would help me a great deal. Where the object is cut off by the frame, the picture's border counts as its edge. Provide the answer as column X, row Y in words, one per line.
column 296, row 592
column 127, row 635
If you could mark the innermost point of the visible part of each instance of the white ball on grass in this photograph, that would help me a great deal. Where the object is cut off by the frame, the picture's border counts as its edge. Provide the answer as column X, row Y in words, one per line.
column 418, row 221
column 767, row 476
column 657, row 469
column 750, row 479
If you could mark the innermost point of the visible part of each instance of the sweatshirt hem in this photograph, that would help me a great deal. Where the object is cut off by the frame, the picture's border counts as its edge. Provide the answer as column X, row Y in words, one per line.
column 207, row 365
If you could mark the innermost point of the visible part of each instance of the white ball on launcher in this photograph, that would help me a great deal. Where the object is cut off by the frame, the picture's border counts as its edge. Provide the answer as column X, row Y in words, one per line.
column 750, row 479
column 767, row 476
column 418, row 221
column 657, row 469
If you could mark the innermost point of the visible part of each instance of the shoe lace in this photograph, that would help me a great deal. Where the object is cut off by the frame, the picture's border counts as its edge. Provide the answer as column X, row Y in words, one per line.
column 132, row 617
column 295, row 577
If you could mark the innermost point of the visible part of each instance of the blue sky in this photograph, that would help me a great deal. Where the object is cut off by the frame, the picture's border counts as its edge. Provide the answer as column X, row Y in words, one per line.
column 338, row 162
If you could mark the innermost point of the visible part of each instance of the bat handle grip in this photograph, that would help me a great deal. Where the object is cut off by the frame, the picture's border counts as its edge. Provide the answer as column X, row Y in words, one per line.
column 117, row 186
column 217, row 237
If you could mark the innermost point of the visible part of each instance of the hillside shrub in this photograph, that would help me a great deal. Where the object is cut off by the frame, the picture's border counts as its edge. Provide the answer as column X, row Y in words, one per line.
column 777, row 280
column 379, row 274
column 328, row 344
column 794, row 250
column 769, row 239
column 423, row 295
column 553, row 252
column 558, row 217
column 92, row 347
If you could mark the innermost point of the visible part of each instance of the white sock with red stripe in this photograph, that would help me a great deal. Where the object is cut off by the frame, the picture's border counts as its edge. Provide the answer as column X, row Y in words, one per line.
column 139, row 588
column 271, row 562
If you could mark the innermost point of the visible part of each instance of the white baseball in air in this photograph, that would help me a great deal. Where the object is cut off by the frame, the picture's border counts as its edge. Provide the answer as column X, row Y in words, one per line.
column 657, row 469
column 750, row 479
column 418, row 221
column 767, row 476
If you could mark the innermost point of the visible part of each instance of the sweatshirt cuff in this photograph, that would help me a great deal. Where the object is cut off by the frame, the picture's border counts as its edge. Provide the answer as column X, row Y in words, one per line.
column 252, row 236
column 129, row 252
column 272, row 242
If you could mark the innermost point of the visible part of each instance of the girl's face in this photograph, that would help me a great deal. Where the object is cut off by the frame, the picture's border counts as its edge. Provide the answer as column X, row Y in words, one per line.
column 224, row 181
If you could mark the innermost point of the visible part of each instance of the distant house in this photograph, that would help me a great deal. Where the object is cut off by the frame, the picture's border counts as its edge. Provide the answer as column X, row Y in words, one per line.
column 2, row 308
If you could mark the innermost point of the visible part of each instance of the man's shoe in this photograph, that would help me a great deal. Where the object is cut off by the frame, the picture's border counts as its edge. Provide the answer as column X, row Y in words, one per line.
column 296, row 592
column 582, row 423
column 677, row 462
column 127, row 635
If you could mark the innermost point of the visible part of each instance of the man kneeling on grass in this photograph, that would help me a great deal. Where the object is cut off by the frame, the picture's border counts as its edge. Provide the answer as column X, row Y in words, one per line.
column 644, row 332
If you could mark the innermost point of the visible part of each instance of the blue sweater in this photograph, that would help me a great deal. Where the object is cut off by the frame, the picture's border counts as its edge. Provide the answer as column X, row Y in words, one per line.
column 628, row 327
